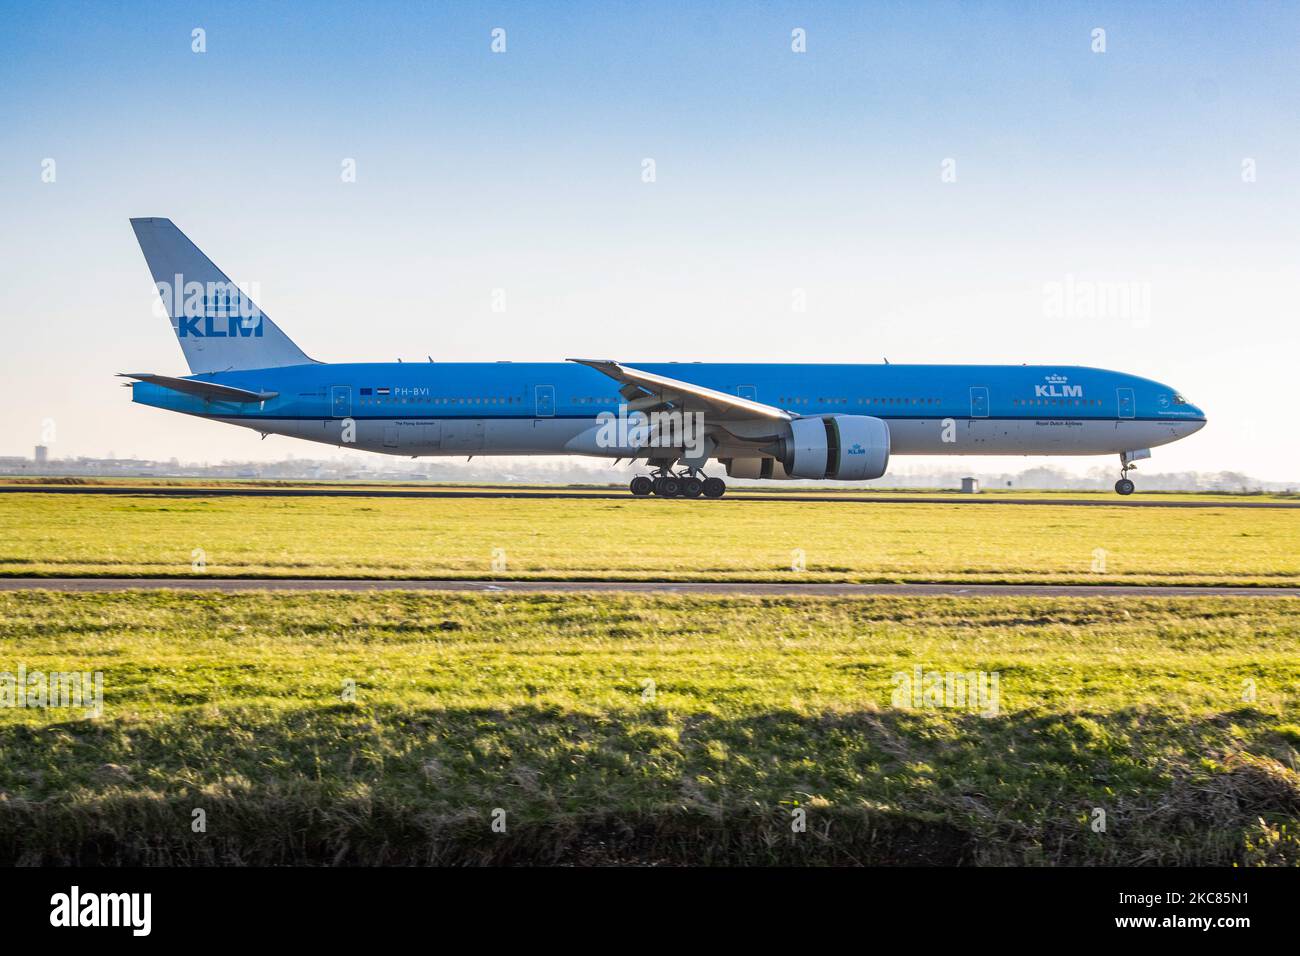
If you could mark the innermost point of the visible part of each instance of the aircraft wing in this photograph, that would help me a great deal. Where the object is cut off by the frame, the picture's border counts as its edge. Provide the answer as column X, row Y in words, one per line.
column 207, row 390
column 645, row 389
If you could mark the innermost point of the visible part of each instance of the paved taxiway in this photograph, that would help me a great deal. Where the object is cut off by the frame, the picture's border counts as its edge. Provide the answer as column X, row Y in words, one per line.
column 636, row 587
column 1114, row 501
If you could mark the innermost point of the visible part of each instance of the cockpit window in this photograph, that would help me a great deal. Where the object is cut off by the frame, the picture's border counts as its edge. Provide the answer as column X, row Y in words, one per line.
column 1179, row 400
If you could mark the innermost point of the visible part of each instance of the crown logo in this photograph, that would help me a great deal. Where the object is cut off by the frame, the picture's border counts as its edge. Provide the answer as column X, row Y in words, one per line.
column 1056, row 379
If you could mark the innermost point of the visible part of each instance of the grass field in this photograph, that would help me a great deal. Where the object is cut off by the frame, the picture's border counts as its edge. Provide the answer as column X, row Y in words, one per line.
column 1176, row 717
column 731, row 539
column 734, row 489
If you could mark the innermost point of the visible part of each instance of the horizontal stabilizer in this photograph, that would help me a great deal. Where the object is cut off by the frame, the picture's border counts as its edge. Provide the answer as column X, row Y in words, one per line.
column 206, row 390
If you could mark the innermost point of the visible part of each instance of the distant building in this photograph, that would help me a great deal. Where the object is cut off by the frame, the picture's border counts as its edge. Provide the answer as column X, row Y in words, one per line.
column 42, row 454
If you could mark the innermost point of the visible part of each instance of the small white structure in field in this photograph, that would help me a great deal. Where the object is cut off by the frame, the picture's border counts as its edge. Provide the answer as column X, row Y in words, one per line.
column 970, row 486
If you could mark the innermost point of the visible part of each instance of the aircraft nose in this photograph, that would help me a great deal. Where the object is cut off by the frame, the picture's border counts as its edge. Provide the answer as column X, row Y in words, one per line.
column 1193, row 415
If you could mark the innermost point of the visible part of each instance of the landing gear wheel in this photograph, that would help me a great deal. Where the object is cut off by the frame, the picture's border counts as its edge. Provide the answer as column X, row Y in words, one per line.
column 692, row 488
column 714, row 487
column 641, row 486
column 668, row 486
column 1124, row 486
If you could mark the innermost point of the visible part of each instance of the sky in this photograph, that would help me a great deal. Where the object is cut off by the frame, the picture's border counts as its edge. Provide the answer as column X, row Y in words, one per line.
column 927, row 182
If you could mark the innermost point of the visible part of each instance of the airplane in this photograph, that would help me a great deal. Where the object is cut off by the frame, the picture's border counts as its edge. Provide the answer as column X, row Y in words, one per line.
column 760, row 421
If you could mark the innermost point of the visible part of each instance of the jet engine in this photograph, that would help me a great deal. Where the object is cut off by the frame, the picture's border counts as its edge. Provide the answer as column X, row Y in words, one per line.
column 840, row 447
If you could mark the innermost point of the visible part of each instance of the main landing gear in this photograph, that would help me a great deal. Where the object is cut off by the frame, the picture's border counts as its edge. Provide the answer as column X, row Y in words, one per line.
column 686, row 484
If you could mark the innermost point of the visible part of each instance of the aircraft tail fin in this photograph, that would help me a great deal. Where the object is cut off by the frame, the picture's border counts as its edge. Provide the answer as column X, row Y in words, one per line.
column 215, row 321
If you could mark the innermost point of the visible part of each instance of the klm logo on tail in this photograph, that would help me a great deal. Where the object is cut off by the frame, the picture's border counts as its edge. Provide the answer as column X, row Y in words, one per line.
column 222, row 313
column 218, row 326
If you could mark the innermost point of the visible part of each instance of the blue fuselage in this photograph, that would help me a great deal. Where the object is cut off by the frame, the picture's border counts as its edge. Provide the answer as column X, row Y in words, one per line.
column 565, row 390
column 542, row 408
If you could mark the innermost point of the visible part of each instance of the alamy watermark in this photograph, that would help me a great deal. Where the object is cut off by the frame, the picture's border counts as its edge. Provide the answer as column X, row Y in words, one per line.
column 1074, row 298
column 661, row 429
column 82, row 689
column 130, row 910
column 208, row 300
column 977, row 691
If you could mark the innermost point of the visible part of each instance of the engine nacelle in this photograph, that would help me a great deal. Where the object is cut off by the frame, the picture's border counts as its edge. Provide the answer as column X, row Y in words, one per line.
column 841, row 447
column 755, row 468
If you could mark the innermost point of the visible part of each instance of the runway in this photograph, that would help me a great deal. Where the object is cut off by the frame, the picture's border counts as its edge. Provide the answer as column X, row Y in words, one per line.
column 735, row 588
column 1114, row 501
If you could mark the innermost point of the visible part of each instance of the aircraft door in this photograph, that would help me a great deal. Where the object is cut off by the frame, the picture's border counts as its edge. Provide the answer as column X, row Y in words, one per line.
column 979, row 401
column 341, row 401
column 749, row 392
column 1126, row 403
column 545, row 398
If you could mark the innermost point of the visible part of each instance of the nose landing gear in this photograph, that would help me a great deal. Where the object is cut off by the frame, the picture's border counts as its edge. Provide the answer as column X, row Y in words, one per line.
column 1125, row 485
